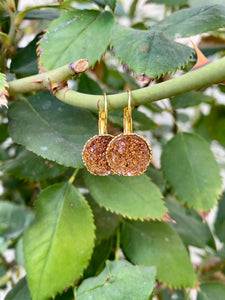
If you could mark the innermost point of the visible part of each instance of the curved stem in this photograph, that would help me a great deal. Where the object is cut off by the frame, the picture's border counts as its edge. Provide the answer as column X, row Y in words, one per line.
column 207, row 75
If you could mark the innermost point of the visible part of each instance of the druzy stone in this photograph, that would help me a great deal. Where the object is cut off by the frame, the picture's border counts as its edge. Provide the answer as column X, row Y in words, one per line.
column 94, row 155
column 128, row 155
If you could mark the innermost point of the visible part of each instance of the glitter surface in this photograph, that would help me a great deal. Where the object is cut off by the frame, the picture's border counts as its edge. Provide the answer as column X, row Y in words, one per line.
column 94, row 155
column 128, row 155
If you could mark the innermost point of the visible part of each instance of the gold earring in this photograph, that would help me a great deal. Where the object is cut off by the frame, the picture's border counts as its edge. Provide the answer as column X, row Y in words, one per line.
column 94, row 152
column 128, row 154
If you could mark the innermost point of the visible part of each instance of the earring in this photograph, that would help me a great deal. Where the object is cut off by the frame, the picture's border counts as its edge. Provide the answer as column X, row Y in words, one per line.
column 94, row 152
column 128, row 154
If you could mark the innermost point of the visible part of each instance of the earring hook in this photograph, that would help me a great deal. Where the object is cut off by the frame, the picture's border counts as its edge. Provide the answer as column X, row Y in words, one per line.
column 103, row 115
column 127, row 120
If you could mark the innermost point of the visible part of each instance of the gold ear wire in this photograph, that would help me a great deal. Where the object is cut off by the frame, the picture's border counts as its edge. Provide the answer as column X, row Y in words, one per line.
column 127, row 120
column 103, row 115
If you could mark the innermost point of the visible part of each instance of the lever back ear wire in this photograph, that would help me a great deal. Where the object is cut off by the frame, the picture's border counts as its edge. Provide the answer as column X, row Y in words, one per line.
column 94, row 152
column 128, row 154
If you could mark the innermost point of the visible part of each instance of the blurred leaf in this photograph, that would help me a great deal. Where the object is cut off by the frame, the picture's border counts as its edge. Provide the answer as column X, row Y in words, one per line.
column 117, row 281
column 192, row 171
column 211, row 290
column 140, row 120
column 191, row 21
column 111, row 3
column 39, row 124
column 19, row 256
column 194, row 3
column 105, row 221
column 14, row 219
column 30, row 166
column 200, row 127
column 191, row 99
column 3, row 132
column 216, row 124
column 156, row 243
column 157, row 177
column 220, row 220
column 61, row 238
column 87, row 85
column 79, row 29
column 25, row 60
column 189, row 225
column 169, row 2
column 169, row 294
column 133, row 197
column 100, row 254
column 133, row 8
column 150, row 52
column 45, row 14
column 154, row 107
column 20, row 291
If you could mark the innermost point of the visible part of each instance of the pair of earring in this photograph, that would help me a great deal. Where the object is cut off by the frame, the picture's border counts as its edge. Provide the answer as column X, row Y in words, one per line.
column 126, row 154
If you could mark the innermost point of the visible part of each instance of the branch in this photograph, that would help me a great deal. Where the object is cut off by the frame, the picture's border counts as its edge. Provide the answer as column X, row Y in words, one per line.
column 48, row 80
column 209, row 74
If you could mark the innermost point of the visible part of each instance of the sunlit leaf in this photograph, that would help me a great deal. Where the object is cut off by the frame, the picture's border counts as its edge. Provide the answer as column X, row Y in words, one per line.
column 61, row 238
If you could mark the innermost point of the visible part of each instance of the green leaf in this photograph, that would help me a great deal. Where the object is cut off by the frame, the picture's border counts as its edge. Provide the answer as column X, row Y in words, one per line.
column 30, row 166
column 140, row 120
column 192, row 171
column 211, row 290
column 191, row 21
column 3, row 132
column 169, row 2
column 20, row 291
column 14, row 219
column 194, row 3
column 49, row 13
column 150, row 51
column 80, row 29
column 50, row 128
column 220, row 220
column 105, row 221
column 133, row 197
column 25, row 60
column 87, row 85
column 61, row 238
column 111, row 3
column 157, row 177
column 216, row 124
column 156, row 243
column 117, row 281
column 100, row 254
column 191, row 99
column 189, row 225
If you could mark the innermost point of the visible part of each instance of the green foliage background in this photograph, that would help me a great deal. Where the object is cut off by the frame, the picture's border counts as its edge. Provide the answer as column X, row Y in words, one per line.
column 89, row 237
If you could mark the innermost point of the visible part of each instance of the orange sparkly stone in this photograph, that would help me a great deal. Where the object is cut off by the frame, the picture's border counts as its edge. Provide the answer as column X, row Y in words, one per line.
column 128, row 154
column 94, row 155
